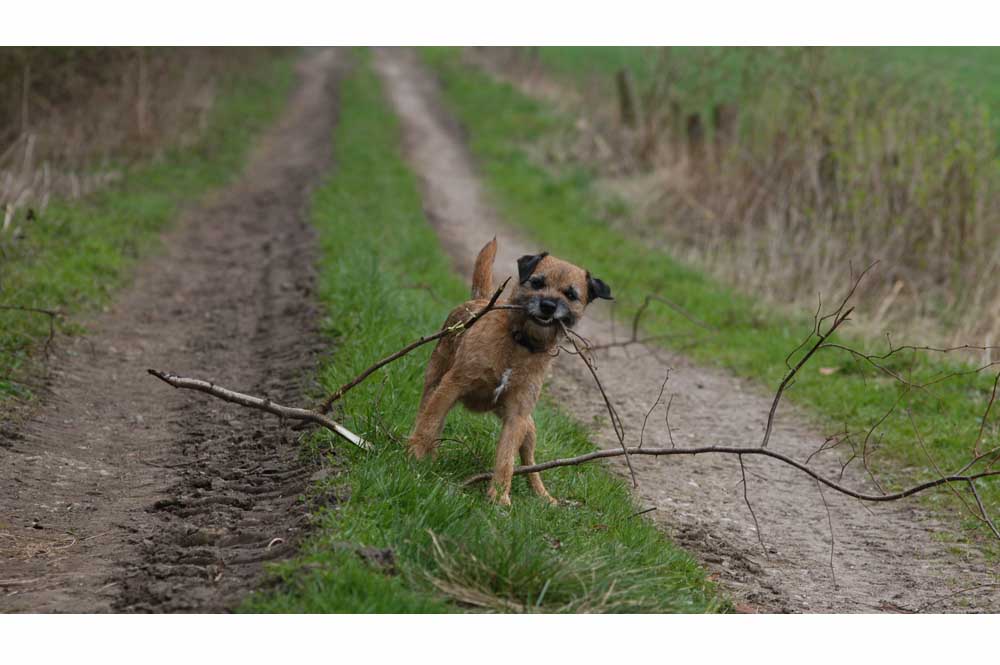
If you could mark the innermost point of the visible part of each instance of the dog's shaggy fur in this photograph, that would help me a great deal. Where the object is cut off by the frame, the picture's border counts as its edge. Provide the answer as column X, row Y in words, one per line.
column 499, row 364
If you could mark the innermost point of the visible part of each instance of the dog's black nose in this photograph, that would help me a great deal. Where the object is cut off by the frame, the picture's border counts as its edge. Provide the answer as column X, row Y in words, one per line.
column 547, row 307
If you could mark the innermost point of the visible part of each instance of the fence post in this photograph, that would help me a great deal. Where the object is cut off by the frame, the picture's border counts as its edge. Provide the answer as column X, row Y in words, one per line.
column 695, row 131
column 628, row 107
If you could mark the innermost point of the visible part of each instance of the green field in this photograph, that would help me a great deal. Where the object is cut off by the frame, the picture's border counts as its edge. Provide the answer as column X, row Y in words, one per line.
column 975, row 69
column 752, row 341
column 453, row 550
column 970, row 69
column 73, row 256
column 713, row 74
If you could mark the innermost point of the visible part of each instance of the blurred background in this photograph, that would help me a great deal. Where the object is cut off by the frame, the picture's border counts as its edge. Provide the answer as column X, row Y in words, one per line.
column 776, row 170
column 775, row 167
column 73, row 117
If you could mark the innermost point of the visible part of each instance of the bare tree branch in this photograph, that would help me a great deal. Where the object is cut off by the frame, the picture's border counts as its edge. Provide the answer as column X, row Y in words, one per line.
column 790, row 375
column 733, row 450
column 841, row 314
column 261, row 404
column 637, row 318
column 818, row 339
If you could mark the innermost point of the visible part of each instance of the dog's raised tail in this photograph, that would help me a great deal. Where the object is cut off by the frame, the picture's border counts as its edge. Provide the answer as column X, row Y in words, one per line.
column 482, row 274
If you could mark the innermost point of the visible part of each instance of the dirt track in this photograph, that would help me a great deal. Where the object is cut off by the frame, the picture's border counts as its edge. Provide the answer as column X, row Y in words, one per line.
column 122, row 494
column 884, row 557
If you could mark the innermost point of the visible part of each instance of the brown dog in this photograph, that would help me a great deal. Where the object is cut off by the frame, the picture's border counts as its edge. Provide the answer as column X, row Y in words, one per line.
column 499, row 363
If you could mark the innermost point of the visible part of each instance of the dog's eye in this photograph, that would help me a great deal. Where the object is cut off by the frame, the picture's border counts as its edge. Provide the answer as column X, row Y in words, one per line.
column 571, row 294
column 537, row 282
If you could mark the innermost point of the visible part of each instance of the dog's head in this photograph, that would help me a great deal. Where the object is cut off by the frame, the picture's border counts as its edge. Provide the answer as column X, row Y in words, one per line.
column 553, row 291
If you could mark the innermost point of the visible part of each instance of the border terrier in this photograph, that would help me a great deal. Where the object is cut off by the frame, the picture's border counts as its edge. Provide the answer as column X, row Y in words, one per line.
column 498, row 365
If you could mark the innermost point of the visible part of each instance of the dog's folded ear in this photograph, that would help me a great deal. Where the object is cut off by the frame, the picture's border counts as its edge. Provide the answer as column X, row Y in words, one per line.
column 527, row 264
column 597, row 289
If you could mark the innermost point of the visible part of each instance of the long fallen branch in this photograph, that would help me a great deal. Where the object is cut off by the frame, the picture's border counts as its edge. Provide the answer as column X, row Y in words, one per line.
column 816, row 341
column 318, row 416
column 731, row 450
column 262, row 404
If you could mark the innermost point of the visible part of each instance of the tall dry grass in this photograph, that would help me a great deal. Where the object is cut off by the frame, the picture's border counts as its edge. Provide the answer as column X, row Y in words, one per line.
column 73, row 117
column 811, row 167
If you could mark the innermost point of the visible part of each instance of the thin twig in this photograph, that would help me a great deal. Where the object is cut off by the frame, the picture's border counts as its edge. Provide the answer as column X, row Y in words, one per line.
column 642, row 432
column 746, row 500
column 52, row 314
column 666, row 419
column 937, row 469
column 790, row 375
column 982, row 509
column 956, row 593
column 636, row 320
column 986, row 415
column 841, row 314
column 672, row 305
column 833, row 541
column 616, row 422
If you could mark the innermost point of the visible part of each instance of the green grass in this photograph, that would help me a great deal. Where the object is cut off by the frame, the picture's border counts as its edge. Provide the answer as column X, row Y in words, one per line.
column 975, row 69
column 453, row 549
column 78, row 252
column 560, row 209
column 972, row 69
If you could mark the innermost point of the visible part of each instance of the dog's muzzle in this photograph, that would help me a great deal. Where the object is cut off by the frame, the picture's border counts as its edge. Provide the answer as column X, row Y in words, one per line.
column 548, row 311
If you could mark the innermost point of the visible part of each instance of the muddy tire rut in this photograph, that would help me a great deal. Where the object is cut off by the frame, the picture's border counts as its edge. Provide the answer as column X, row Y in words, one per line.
column 118, row 493
column 882, row 558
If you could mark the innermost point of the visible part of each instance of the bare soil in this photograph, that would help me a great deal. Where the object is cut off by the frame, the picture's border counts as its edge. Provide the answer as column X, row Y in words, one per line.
column 118, row 493
column 886, row 557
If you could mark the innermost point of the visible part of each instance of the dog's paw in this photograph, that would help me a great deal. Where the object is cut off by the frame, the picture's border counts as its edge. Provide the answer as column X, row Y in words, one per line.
column 419, row 448
column 497, row 497
column 416, row 452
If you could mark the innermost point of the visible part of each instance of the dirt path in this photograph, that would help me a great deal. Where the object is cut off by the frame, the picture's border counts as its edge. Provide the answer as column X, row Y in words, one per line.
column 885, row 558
column 122, row 494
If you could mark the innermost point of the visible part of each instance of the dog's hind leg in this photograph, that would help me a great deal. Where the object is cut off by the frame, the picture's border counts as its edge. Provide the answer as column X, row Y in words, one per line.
column 528, row 459
column 434, row 408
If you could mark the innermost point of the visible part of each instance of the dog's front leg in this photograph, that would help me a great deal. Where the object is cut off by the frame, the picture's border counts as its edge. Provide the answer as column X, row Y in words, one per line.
column 528, row 459
column 515, row 427
column 434, row 409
